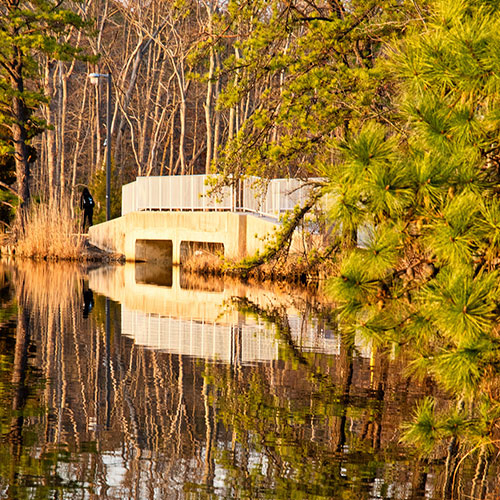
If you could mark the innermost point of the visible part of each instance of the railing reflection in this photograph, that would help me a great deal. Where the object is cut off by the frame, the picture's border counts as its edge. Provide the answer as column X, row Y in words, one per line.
column 234, row 344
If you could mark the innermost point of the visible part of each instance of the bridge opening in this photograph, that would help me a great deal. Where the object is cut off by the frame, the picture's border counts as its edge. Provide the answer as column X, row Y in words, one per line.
column 156, row 251
column 200, row 249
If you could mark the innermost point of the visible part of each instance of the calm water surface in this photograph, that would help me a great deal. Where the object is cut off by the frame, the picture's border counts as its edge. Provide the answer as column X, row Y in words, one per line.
column 137, row 382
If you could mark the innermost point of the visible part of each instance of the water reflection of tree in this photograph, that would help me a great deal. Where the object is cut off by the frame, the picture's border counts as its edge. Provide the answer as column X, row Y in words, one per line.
column 285, row 446
column 21, row 404
column 111, row 406
column 338, row 438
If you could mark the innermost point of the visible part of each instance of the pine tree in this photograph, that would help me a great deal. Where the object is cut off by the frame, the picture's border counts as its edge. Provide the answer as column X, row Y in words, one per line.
column 422, row 203
column 27, row 29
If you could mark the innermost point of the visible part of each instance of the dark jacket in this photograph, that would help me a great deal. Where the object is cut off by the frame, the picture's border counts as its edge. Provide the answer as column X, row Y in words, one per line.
column 86, row 201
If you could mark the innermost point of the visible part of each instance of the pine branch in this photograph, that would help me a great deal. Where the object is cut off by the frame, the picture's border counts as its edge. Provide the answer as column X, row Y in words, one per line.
column 12, row 190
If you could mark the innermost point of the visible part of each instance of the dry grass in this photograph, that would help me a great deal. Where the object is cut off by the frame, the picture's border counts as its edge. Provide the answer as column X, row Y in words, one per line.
column 294, row 269
column 203, row 263
column 48, row 232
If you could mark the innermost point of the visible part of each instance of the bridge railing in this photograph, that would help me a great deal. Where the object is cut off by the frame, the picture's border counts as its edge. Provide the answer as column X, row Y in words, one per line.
column 186, row 192
column 271, row 198
column 274, row 197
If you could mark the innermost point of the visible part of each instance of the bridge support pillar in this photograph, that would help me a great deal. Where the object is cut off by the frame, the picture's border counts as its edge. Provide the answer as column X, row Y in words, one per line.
column 176, row 252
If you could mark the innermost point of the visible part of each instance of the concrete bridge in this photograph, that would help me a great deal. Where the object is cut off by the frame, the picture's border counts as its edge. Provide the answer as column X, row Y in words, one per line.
column 165, row 218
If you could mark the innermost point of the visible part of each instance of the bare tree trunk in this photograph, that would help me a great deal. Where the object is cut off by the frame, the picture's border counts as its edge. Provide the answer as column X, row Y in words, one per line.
column 145, row 124
column 171, row 140
column 139, row 54
column 217, row 115
column 208, row 102
column 233, row 119
column 63, row 99
column 50, row 134
column 78, row 146
column 182, row 136
column 160, row 112
column 183, row 87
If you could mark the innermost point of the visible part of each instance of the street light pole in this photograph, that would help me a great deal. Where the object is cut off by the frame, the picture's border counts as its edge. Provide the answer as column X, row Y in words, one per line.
column 94, row 78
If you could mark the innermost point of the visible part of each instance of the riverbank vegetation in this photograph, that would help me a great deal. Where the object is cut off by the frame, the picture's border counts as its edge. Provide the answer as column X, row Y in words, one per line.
column 292, row 269
column 47, row 231
column 406, row 135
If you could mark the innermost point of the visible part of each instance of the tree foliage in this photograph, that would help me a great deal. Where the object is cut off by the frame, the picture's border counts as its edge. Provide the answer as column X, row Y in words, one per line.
column 28, row 29
column 315, row 63
column 421, row 199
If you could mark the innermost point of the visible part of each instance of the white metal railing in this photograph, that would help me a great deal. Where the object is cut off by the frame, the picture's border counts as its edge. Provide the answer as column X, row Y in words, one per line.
column 271, row 198
column 274, row 197
column 186, row 192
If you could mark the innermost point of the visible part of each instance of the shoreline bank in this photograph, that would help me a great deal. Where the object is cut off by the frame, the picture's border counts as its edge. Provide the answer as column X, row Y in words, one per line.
column 291, row 271
column 88, row 253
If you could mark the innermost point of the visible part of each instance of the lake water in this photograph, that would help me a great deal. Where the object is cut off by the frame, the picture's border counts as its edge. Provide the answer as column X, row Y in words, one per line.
column 138, row 382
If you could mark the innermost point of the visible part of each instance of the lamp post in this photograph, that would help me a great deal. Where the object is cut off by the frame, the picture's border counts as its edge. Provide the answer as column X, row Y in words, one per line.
column 94, row 78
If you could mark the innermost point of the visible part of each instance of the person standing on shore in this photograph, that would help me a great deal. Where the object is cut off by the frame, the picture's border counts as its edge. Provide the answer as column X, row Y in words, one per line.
column 87, row 205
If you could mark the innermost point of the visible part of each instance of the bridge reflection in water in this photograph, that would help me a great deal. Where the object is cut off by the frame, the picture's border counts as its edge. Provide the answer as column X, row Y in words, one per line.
column 229, row 343
column 161, row 310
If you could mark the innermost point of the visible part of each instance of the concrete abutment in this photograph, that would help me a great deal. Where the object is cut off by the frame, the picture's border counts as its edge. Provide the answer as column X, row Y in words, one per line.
column 157, row 236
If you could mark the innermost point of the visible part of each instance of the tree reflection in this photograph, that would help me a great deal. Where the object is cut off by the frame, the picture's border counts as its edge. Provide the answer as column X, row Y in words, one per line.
column 334, row 437
column 23, row 474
